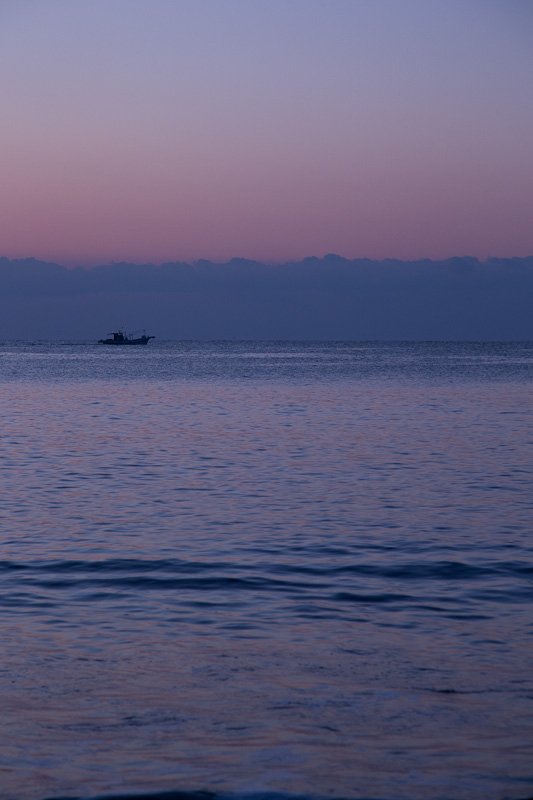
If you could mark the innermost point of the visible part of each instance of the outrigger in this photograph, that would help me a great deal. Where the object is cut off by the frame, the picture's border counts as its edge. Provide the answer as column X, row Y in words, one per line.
column 121, row 337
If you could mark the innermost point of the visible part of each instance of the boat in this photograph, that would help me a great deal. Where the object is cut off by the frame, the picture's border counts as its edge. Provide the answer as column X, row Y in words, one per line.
column 121, row 337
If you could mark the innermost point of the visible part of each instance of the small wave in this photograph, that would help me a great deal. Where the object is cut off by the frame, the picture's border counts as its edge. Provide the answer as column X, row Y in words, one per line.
column 203, row 795
column 124, row 568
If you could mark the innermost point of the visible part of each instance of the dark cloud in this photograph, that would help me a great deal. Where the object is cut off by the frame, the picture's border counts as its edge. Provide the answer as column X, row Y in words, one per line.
column 327, row 298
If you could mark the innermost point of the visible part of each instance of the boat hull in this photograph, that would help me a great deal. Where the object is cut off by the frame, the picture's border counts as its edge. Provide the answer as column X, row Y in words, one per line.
column 120, row 343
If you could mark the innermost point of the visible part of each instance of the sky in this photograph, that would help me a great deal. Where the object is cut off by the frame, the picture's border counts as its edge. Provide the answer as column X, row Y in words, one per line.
column 151, row 131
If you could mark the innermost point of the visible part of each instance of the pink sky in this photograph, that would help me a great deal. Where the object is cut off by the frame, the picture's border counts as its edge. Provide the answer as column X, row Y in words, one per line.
column 157, row 131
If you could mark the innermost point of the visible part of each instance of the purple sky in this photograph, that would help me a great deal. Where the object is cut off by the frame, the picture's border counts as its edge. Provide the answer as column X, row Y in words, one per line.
column 156, row 130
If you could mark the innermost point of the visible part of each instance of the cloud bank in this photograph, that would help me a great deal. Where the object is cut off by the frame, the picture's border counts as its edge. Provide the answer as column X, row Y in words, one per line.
column 330, row 298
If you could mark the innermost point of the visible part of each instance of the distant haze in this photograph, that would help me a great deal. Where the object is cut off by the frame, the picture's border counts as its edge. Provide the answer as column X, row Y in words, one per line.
column 329, row 298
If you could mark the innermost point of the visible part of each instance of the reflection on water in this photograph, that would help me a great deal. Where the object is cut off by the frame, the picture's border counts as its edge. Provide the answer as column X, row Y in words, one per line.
column 236, row 567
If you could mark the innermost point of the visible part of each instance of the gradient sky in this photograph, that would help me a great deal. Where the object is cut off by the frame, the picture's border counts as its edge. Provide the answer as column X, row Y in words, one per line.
column 157, row 130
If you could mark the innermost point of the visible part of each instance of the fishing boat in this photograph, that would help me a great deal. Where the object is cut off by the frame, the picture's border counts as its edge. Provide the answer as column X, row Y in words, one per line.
column 121, row 337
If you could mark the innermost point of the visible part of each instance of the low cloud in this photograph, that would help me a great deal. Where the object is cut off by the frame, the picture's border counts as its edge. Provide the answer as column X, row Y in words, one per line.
column 328, row 298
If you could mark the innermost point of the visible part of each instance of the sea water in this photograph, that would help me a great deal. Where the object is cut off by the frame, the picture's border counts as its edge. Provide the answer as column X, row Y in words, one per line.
column 301, row 569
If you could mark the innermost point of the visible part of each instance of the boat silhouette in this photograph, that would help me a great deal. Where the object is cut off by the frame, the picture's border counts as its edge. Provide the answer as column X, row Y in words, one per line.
column 121, row 337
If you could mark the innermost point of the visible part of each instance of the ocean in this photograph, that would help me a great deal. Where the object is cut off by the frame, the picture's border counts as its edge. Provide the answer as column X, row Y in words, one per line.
column 266, row 569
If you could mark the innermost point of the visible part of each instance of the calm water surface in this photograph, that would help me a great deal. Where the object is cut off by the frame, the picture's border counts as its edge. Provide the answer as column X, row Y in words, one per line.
column 249, row 568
